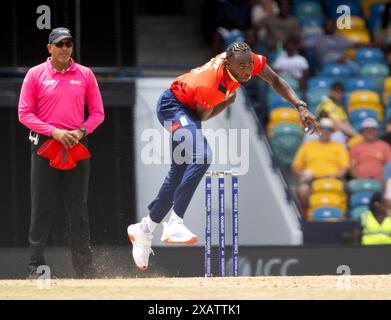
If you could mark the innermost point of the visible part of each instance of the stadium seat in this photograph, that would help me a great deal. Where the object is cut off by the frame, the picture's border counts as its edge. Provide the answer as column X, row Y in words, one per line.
column 361, row 185
column 291, row 81
column 362, row 97
column 355, row 214
column 327, row 199
column 308, row 9
column 281, row 115
column 375, row 106
column 369, row 55
column 278, row 102
column 356, row 36
column 360, row 199
column 386, row 90
column 320, row 82
column 360, row 83
column 326, row 214
column 316, row 96
column 285, row 140
column 327, row 185
column 336, row 70
column 374, row 69
column 387, row 84
column 358, row 115
column 358, row 23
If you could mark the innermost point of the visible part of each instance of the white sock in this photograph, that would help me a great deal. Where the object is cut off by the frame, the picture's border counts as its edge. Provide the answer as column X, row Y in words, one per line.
column 148, row 226
column 175, row 218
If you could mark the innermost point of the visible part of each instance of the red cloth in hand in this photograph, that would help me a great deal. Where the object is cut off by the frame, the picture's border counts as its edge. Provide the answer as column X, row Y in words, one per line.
column 60, row 157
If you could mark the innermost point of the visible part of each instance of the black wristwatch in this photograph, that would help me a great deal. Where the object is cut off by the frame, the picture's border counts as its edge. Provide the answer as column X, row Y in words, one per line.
column 83, row 130
column 301, row 103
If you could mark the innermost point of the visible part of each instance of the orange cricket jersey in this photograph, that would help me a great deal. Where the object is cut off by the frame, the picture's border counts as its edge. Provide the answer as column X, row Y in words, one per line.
column 210, row 84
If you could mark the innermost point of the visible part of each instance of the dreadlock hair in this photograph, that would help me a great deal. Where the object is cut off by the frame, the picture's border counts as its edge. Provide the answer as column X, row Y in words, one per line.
column 237, row 47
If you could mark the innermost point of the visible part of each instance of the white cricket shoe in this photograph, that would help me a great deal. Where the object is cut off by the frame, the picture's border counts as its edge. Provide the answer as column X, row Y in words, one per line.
column 177, row 233
column 141, row 245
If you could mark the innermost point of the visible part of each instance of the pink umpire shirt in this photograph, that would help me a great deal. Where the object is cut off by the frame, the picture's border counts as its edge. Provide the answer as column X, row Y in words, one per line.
column 50, row 99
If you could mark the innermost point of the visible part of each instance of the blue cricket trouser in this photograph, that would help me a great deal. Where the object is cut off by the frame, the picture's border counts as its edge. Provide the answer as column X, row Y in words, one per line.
column 190, row 157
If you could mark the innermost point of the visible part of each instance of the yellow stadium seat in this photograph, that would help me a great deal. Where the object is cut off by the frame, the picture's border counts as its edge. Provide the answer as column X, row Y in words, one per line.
column 387, row 90
column 281, row 115
column 354, row 140
column 387, row 84
column 356, row 36
column 358, row 23
column 363, row 97
column 322, row 199
column 327, row 185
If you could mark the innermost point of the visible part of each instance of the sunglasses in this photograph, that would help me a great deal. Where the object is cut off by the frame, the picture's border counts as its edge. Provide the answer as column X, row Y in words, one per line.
column 68, row 44
column 326, row 129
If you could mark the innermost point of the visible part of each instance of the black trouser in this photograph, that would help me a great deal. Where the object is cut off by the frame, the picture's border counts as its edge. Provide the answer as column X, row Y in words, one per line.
column 46, row 183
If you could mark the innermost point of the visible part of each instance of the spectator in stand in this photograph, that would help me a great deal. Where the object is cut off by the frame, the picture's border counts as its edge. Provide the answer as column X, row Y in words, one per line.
column 259, row 11
column 293, row 64
column 330, row 47
column 319, row 159
column 369, row 157
column 336, row 136
column 332, row 105
column 234, row 18
column 383, row 39
column 279, row 27
column 376, row 223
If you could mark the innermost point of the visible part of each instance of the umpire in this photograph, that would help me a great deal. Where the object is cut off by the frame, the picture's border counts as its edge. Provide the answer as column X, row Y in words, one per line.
column 51, row 105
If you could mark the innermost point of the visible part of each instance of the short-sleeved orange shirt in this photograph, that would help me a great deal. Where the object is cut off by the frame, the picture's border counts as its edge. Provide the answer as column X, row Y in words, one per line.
column 210, row 84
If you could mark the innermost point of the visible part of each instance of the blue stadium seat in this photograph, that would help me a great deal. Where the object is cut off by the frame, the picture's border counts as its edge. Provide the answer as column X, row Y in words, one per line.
column 361, row 83
column 336, row 70
column 378, row 72
column 374, row 69
column 321, row 82
column 327, row 214
column 369, row 55
column 276, row 101
column 316, row 96
column 361, row 185
column 355, row 214
column 360, row 199
column 308, row 9
column 286, row 139
column 358, row 115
